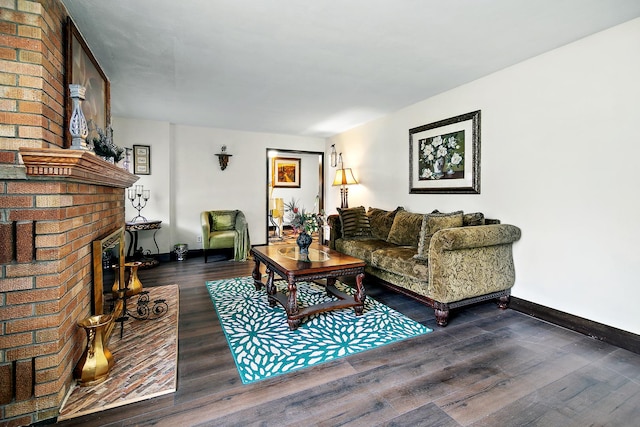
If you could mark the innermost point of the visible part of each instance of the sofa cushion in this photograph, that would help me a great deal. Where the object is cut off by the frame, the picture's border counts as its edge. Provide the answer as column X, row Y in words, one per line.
column 400, row 260
column 472, row 219
column 222, row 239
column 381, row 221
column 355, row 222
column 223, row 220
column 361, row 247
column 405, row 229
column 434, row 222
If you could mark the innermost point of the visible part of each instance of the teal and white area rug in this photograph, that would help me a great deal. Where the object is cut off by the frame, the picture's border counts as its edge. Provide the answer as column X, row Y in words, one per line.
column 263, row 346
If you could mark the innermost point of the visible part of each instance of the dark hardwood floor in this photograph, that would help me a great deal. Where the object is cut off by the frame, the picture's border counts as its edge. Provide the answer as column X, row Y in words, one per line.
column 489, row 367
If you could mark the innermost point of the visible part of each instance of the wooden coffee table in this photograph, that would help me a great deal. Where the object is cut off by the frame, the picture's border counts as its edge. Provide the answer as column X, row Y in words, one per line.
column 322, row 263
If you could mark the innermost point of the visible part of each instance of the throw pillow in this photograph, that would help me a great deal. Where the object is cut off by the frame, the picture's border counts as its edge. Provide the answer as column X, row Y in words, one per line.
column 223, row 220
column 381, row 221
column 405, row 229
column 472, row 219
column 434, row 222
column 355, row 222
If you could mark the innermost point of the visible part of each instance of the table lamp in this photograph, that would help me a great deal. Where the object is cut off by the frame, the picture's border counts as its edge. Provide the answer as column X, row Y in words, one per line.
column 343, row 178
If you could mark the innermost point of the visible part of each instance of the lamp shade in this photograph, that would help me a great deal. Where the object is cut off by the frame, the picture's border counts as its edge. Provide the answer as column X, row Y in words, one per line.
column 344, row 177
column 278, row 209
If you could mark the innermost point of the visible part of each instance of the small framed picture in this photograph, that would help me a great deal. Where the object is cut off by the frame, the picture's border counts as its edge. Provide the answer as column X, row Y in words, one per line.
column 142, row 160
column 285, row 172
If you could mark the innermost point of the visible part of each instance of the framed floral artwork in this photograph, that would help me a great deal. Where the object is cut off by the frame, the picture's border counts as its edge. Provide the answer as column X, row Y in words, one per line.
column 444, row 156
column 285, row 172
column 82, row 68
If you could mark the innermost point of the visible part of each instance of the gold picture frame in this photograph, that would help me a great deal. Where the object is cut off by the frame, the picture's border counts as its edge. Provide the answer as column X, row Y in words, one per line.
column 285, row 172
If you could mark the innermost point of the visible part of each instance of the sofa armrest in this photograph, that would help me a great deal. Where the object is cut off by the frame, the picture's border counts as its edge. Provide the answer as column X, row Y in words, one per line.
column 450, row 239
column 335, row 227
column 206, row 229
column 466, row 262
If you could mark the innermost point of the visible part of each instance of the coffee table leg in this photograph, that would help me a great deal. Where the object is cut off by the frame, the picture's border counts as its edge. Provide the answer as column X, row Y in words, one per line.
column 294, row 324
column 271, row 288
column 292, row 305
column 331, row 281
column 257, row 278
column 360, row 295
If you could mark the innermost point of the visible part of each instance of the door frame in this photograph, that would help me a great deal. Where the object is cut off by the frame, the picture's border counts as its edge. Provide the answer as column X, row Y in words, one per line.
column 320, row 155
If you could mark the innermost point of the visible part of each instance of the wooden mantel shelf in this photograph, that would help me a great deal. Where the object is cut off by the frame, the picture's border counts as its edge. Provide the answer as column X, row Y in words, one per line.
column 74, row 165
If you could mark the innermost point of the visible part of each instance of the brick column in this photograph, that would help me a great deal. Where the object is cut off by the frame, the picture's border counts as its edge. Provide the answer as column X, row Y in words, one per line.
column 49, row 215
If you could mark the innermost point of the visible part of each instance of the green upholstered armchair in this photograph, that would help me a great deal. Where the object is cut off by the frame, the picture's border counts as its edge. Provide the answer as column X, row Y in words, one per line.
column 225, row 229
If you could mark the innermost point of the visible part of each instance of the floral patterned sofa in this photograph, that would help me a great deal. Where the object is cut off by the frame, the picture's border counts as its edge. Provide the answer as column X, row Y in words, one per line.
column 446, row 260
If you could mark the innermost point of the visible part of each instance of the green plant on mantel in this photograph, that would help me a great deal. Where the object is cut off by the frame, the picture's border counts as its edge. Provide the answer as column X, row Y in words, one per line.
column 104, row 147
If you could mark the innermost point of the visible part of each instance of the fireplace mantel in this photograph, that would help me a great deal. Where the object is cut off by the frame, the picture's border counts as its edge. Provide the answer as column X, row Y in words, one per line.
column 74, row 165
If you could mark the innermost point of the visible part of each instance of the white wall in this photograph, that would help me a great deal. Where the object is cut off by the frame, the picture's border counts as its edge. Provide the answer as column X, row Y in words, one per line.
column 186, row 178
column 128, row 133
column 558, row 158
column 560, row 144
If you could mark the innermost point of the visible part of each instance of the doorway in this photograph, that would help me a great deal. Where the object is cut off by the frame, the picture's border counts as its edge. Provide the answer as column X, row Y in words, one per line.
column 305, row 187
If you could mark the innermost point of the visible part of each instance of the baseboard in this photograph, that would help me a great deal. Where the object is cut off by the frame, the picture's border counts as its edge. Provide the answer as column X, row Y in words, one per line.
column 193, row 253
column 599, row 331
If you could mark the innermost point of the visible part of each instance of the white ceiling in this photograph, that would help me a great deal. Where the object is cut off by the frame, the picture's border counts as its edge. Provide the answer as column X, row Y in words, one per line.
column 315, row 67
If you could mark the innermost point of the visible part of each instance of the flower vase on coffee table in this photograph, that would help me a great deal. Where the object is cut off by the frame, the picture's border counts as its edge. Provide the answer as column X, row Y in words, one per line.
column 304, row 241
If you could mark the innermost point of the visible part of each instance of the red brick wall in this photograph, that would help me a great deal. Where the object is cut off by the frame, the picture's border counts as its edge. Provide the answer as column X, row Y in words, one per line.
column 46, row 286
column 32, row 75
column 46, row 225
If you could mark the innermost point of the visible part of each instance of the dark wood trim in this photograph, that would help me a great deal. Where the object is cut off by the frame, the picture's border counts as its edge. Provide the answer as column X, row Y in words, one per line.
column 599, row 331
column 321, row 184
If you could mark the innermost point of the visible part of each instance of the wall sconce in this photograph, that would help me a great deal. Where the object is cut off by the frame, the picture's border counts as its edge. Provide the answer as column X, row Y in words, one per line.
column 334, row 156
column 343, row 178
column 223, row 157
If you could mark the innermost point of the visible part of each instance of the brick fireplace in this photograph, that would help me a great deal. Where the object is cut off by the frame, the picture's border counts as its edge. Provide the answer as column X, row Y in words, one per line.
column 53, row 203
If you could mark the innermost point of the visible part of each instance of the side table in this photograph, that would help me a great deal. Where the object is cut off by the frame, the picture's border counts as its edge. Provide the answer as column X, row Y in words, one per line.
column 132, row 228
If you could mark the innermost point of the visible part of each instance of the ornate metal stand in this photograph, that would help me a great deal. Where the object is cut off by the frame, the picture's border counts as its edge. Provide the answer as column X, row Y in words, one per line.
column 142, row 197
column 135, row 253
column 143, row 308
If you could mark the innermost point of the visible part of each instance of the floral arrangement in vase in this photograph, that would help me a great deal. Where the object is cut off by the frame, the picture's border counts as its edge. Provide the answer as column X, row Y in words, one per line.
column 301, row 220
column 438, row 153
